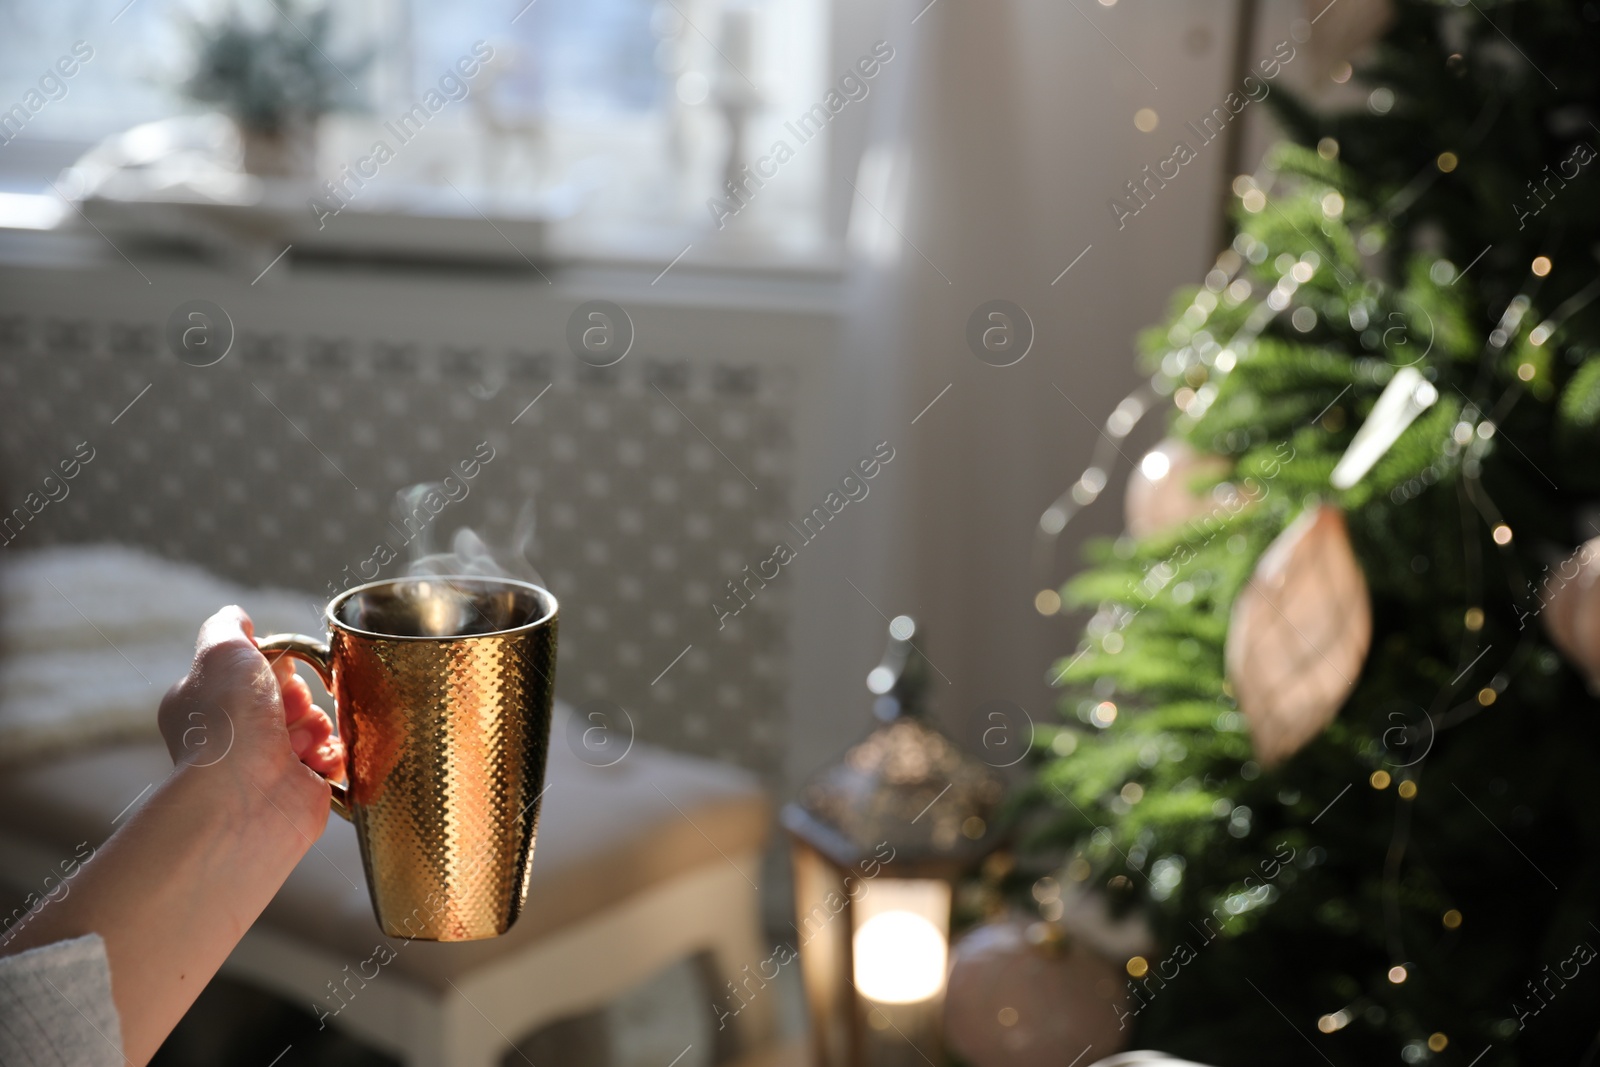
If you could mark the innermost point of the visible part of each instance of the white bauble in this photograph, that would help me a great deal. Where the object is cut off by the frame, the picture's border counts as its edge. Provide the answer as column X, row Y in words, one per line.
column 1013, row 1003
column 1159, row 496
column 1572, row 610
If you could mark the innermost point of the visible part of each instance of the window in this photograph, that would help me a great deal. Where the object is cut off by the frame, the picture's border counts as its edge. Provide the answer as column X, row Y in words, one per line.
column 620, row 106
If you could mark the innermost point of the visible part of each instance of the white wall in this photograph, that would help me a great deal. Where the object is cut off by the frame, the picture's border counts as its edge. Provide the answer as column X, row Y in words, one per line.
column 1013, row 125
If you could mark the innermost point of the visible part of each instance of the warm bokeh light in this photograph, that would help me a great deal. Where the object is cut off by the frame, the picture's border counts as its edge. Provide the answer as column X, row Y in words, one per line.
column 900, row 947
column 1541, row 265
column 900, row 958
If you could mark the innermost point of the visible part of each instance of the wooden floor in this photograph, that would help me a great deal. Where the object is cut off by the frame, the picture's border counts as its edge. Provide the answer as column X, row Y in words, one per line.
column 790, row 1055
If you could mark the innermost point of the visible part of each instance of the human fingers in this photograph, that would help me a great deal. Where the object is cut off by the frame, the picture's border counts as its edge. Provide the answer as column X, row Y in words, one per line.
column 309, row 731
column 327, row 759
column 228, row 625
column 296, row 696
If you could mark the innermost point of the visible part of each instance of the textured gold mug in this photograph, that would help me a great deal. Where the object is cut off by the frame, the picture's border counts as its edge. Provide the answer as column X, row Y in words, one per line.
column 442, row 688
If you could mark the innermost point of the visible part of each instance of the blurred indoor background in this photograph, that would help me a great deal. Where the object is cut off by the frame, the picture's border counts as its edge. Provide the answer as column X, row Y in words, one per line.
column 545, row 263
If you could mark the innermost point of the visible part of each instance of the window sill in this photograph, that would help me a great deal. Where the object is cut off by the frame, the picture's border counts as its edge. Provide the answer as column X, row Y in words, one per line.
column 665, row 265
column 419, row 227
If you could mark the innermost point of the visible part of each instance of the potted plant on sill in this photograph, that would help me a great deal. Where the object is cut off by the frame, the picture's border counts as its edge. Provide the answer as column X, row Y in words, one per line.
column 268, row 67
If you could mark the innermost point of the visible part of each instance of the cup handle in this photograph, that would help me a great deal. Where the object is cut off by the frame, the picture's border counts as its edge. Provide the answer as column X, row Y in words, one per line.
column 314, row 652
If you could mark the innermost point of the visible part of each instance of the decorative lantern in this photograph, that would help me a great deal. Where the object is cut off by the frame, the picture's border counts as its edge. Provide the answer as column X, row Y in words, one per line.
column 878, row 840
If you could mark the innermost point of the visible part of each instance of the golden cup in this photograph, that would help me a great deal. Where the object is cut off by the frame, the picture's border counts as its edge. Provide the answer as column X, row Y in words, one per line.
column 442, row 687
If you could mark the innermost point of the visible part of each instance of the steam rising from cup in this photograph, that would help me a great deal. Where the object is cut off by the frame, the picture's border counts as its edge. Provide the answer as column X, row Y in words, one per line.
column 468, row 555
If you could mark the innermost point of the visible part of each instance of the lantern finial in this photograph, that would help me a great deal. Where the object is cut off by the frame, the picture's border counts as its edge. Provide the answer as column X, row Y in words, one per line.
column 901, row 677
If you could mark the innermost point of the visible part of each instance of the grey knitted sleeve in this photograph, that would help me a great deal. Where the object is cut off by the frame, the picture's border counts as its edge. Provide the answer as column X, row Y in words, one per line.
column 56, row 1008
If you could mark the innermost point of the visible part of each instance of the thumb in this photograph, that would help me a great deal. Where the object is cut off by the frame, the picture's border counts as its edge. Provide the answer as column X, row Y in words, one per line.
column 230, row 624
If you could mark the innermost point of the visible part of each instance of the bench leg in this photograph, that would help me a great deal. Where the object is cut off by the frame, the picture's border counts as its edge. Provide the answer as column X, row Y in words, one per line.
column 737, row 965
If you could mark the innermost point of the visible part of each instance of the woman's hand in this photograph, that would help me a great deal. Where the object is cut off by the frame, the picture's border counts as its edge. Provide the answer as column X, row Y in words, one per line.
column 188, row 871
column 251, row 723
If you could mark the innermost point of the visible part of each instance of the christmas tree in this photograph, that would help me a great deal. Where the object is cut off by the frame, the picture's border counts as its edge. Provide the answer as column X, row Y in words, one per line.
column 1416, row 878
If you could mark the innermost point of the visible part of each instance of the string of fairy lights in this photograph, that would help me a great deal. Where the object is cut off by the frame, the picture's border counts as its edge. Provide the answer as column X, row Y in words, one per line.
column 1470, row 439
